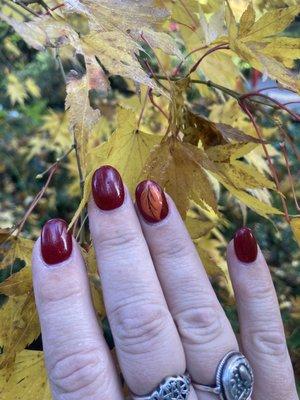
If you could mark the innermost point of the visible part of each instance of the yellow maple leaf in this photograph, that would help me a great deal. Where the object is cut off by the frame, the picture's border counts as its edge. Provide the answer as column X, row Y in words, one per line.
column 127, row 150
column 18, row 316
column 82, row 117
column 28, row 380
column 20, row 327
column 15, row 89
column 295, row 225
column 251, row 38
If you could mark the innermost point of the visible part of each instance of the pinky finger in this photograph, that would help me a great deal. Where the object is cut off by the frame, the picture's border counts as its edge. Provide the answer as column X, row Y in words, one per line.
column 261, row 328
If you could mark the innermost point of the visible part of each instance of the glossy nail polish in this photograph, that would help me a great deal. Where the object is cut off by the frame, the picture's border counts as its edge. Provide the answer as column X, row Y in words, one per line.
column 245, row 245
column 151, row 201
column 56, row 241
column 108, row 189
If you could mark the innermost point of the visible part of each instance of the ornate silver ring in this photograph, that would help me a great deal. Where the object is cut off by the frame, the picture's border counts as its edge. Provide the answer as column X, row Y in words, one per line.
column 175, row 387
column 234, row 378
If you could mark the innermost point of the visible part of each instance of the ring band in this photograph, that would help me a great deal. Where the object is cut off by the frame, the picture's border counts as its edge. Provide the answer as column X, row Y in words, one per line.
column 234, row 378
column 175, row 387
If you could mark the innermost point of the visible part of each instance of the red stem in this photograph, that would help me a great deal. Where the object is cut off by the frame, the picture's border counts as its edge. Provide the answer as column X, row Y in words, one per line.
column 246, row 110
column 283, row 147
column 275, row 87
column 219, row 47
column 192, row 28
column 280, row 105
column 54, row 8
column 156, row 105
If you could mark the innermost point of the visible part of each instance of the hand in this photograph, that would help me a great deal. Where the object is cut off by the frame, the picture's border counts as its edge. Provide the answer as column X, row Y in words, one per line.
column 164, row 315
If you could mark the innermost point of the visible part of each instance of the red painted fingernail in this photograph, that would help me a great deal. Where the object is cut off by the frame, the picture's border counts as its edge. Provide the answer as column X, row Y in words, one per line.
column 108, row 188
column 56, row 241
column 245, row 245
column 151, row 201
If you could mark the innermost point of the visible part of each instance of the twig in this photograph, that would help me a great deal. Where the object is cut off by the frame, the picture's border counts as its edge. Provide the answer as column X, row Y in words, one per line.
column 58, row 160
column 37, row 199
column 19, row 3
column 223, row 89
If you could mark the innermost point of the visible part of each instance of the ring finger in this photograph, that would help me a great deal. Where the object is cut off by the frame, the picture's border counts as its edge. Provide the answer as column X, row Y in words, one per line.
column 147, row 343
column 205, row 331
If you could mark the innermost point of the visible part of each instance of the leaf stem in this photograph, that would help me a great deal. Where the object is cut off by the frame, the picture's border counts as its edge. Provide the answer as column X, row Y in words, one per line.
column 222, row 46
column 81, row 183
column 284, row 150
column 273, row 171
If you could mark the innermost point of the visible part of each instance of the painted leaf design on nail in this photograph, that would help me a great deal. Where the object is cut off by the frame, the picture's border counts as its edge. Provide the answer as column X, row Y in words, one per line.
column 152, row 202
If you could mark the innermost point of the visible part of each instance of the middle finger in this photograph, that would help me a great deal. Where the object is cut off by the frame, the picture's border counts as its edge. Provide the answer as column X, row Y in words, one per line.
column 147, row 342
column 205, row 331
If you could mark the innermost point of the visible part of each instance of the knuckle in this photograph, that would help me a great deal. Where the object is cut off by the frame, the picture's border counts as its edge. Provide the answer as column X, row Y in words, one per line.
column 256, row 291
column 79, row 373
column 200, row 324
column 269, row 342
column 57, row 290
column 174, row 247
column 117, row 238
column 138, row 325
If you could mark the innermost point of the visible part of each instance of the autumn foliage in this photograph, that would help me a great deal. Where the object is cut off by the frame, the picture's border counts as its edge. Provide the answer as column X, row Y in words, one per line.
column 160, row 89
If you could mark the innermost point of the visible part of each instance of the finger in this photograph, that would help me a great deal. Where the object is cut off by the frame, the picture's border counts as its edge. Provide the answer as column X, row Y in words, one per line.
column 203, row 327
column 146, row 339
column 78, row 361
column 261, row 327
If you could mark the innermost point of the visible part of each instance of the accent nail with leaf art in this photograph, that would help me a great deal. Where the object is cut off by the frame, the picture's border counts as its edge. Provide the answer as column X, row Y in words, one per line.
column 245, row 245
column 151, row 201
column 56, row 241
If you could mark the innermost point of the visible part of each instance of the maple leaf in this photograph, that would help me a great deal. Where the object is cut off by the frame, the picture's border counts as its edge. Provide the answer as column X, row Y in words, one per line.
column 15, row 89
column 211, row 134
column 179, row 168
column 250, row 41
column 127, row 150
column 42, row 32
column 117, row 28
column 20, row 325
column 28, row 377
column 82, row 117
column 295, row 225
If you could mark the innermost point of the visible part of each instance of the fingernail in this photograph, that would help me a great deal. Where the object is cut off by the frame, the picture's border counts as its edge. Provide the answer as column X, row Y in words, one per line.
column 108, row 188
column 245, row 245
column 56, row 241
column 151, row 201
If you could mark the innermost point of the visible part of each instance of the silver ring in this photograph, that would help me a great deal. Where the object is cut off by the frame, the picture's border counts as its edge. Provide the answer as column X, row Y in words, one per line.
column 234, row 378
column 175, row 387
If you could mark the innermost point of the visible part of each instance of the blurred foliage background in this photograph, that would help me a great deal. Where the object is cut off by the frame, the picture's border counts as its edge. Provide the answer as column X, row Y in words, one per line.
column 34, row 133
